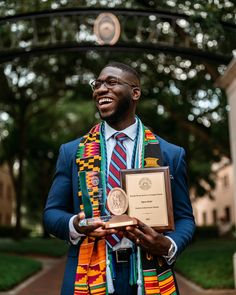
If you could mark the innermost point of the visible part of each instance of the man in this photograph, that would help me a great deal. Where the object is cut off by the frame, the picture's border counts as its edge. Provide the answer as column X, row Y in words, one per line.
column 135, row 259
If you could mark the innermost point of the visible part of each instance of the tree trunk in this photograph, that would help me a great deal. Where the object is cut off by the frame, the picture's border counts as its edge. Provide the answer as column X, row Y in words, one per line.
column 20, row 176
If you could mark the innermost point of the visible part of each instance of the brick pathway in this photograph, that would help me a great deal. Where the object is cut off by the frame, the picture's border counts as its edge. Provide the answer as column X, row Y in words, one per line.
column 48, row 282
column 189, row 288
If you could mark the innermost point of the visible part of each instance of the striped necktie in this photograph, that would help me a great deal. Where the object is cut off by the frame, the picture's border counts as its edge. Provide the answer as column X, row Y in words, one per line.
column 118, row 162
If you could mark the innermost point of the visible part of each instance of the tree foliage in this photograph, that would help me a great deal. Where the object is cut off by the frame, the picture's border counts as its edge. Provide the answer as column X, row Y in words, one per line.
column 46, row 100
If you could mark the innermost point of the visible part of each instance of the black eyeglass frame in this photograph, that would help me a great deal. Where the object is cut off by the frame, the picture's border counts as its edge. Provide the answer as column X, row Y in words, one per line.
column 118, row 81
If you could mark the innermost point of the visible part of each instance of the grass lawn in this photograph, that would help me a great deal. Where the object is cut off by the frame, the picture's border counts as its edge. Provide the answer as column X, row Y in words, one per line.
column 209, row 263
column 205, row 262
column 50, row 247
column 14, row 269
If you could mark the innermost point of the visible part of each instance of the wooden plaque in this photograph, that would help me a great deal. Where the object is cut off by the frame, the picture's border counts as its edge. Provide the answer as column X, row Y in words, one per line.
column 149, row 196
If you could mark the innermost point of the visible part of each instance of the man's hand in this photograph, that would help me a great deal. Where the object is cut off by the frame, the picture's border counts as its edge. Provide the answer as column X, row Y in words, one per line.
column 147, row 238
column 96, row 230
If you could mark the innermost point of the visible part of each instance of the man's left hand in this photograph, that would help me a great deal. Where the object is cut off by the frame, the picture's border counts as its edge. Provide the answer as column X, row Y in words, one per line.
column 147, row 238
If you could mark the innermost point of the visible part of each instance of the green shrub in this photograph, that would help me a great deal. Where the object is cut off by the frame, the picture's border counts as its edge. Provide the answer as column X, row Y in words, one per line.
column 206, row 232
column 10, row 232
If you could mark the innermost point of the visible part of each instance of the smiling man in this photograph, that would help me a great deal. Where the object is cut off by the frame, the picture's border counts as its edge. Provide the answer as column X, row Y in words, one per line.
column 135, row 259
column 117, row 107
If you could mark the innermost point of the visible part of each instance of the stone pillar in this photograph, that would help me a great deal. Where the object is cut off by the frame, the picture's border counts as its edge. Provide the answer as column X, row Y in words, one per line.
column 228, row 82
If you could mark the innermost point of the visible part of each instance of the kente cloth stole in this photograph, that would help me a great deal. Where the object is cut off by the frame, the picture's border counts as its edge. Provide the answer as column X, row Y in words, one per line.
column 91, row 270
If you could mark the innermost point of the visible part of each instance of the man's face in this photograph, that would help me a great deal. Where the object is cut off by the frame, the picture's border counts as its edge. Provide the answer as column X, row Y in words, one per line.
column 115, row 103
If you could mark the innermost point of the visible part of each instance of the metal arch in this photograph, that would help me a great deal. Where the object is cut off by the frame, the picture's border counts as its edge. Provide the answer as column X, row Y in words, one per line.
column 85, row 11
column 184, row 52
column 144, row 39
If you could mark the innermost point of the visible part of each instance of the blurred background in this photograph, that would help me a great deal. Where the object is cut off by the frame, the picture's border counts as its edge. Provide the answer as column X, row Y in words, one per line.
column 50, row 50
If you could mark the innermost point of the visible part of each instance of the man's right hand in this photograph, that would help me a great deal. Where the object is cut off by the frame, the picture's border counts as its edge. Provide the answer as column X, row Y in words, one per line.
column 96, row 230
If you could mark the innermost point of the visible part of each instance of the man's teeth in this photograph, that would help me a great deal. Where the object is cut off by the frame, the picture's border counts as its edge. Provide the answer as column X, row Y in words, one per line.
column 104, row 100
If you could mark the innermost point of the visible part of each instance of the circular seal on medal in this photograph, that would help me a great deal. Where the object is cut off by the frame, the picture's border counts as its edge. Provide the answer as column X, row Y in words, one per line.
column 117, row 201
column 107, row 28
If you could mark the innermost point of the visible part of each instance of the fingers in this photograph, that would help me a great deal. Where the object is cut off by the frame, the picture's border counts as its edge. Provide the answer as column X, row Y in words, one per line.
column 137, row 238
column 132, row 237
column 141, row 229
column 81, row 216
column 90, row 228
column 145, row 228
column 134, row 234
column 147, row 238
column 143, row 235
column 98, row 233
column 85, row 229
column 94, row 230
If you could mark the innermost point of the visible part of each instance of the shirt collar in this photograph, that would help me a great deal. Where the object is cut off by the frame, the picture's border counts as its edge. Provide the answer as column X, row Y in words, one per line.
column 130, row 131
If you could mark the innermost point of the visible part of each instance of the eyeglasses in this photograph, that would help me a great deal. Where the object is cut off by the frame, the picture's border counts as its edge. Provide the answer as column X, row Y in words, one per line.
column 109, row 83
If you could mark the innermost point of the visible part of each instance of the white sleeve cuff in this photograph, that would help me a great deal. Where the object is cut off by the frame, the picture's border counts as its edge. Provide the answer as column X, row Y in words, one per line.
column 74, row 236
column 171, row 258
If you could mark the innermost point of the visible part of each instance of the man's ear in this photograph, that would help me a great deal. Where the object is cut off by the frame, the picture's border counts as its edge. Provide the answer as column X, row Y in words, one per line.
column 136, row 93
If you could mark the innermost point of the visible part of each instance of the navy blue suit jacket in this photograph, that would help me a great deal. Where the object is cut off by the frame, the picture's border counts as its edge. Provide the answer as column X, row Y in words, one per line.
column 63, row 202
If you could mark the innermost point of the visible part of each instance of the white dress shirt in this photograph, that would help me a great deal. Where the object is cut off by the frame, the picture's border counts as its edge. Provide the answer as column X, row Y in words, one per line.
column 128, row 143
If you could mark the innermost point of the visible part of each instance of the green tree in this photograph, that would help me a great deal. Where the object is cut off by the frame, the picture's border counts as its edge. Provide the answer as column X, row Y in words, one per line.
column 46, row 100
column 27, row 95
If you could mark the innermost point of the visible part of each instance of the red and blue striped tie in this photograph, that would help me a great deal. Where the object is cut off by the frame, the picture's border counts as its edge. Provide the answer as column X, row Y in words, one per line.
column 118, row 162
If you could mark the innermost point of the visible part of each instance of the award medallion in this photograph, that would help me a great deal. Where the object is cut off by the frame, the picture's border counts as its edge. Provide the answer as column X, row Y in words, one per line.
column 117, row 201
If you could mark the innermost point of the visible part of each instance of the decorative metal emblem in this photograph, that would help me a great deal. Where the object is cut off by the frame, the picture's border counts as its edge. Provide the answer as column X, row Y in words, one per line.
column 95, row 181
column 151, row 162
column 107, row 29
column 145, row 183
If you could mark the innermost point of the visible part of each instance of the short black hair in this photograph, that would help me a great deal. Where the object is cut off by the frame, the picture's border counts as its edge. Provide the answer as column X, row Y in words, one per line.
column 124, row 68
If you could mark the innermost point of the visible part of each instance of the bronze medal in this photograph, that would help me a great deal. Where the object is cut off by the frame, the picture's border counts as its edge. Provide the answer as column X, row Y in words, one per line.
column 117, row 201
